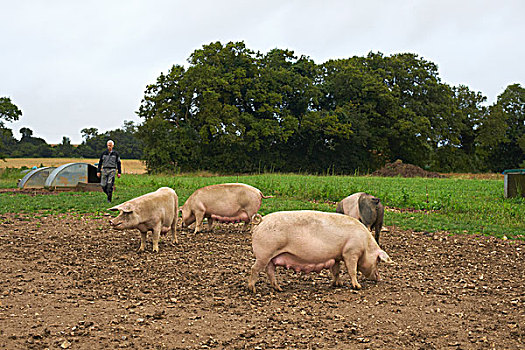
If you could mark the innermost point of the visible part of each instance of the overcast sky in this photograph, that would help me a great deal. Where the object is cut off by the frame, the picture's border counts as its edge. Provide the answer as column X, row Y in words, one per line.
column 70, row 65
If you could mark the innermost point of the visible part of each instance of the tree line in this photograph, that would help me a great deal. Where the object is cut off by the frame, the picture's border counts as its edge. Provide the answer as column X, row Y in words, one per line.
column 235, row 110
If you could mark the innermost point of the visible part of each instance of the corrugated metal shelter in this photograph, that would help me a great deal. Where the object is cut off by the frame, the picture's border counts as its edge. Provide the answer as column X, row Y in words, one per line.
column 36, row 178
column 74, row 176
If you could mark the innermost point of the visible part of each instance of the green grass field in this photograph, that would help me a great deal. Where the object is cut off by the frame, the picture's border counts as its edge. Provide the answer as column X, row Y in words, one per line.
column 453, row 205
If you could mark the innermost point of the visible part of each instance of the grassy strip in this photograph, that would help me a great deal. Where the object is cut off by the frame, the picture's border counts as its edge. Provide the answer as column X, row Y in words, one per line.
column 454, row 205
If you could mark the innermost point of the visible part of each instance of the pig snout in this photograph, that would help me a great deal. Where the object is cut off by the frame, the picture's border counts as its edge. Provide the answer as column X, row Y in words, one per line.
column 115, row 223
column 374, row 276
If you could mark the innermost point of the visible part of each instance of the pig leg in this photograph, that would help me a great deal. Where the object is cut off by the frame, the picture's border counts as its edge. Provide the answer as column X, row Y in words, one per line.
column 351, row 266
column 256, row 268
column 335, row 272
column 210, row 223
column 142, row 241
column 270, row 271
column 377, row 230
column 156, row 237
column 246, row 218
column 174, row 230
column 199, row 217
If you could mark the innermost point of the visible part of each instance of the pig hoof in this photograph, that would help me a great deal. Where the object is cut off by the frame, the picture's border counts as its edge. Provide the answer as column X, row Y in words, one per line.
column 337, row 284
column 356, row 286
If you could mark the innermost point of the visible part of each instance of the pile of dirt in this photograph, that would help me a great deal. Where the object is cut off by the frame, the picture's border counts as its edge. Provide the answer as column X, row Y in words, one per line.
column 398, row 168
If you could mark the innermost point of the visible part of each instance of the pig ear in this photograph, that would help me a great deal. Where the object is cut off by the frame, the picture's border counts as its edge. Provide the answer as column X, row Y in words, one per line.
column 115, row 208
column 383, row 257
column 127, row 207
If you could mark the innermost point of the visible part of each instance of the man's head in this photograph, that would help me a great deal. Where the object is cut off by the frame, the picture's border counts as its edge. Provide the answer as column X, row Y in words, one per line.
column 110, row 145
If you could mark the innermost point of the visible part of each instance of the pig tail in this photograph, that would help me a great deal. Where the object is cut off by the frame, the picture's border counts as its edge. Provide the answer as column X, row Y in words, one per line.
column 256, row 219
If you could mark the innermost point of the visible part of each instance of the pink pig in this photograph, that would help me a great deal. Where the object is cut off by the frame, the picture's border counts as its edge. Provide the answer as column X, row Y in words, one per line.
column 156, row 212
column 229, row 202
column 309, row 241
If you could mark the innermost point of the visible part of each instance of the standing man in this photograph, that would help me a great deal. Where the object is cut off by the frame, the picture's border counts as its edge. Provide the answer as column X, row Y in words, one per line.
column 108, row 165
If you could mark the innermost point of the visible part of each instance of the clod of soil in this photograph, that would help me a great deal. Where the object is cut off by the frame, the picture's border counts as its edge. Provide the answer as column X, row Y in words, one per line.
column 398, row 168
column 72, row 282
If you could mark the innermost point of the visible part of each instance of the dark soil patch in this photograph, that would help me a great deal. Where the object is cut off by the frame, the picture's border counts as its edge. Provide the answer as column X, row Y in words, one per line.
column 398, row 168
column 72, row 282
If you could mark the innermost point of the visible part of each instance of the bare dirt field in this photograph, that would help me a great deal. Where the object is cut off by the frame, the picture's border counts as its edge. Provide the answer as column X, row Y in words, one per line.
column 70, row 282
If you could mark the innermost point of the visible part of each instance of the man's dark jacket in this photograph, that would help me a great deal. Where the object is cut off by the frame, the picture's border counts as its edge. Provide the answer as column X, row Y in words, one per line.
column 109, row 161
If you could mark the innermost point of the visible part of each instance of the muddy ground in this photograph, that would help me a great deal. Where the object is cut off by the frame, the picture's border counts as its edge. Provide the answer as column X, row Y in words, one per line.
column 74, row 283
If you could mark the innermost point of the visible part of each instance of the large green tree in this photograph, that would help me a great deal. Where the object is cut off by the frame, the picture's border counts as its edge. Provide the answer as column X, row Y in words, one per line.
column 424, row 106
column 286, row 108
column 458, row 149
column 8, row 112
column 357, row 93
column 502, row 131
column 230, row 107
column 220, row 78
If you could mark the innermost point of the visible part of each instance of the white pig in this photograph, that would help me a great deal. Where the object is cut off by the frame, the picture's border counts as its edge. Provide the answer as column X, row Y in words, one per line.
column 229, row 202
column 307, row 240
column 156, row 211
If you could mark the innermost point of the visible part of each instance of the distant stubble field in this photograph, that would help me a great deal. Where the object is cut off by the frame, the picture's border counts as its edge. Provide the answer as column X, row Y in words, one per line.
column 129, row 166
